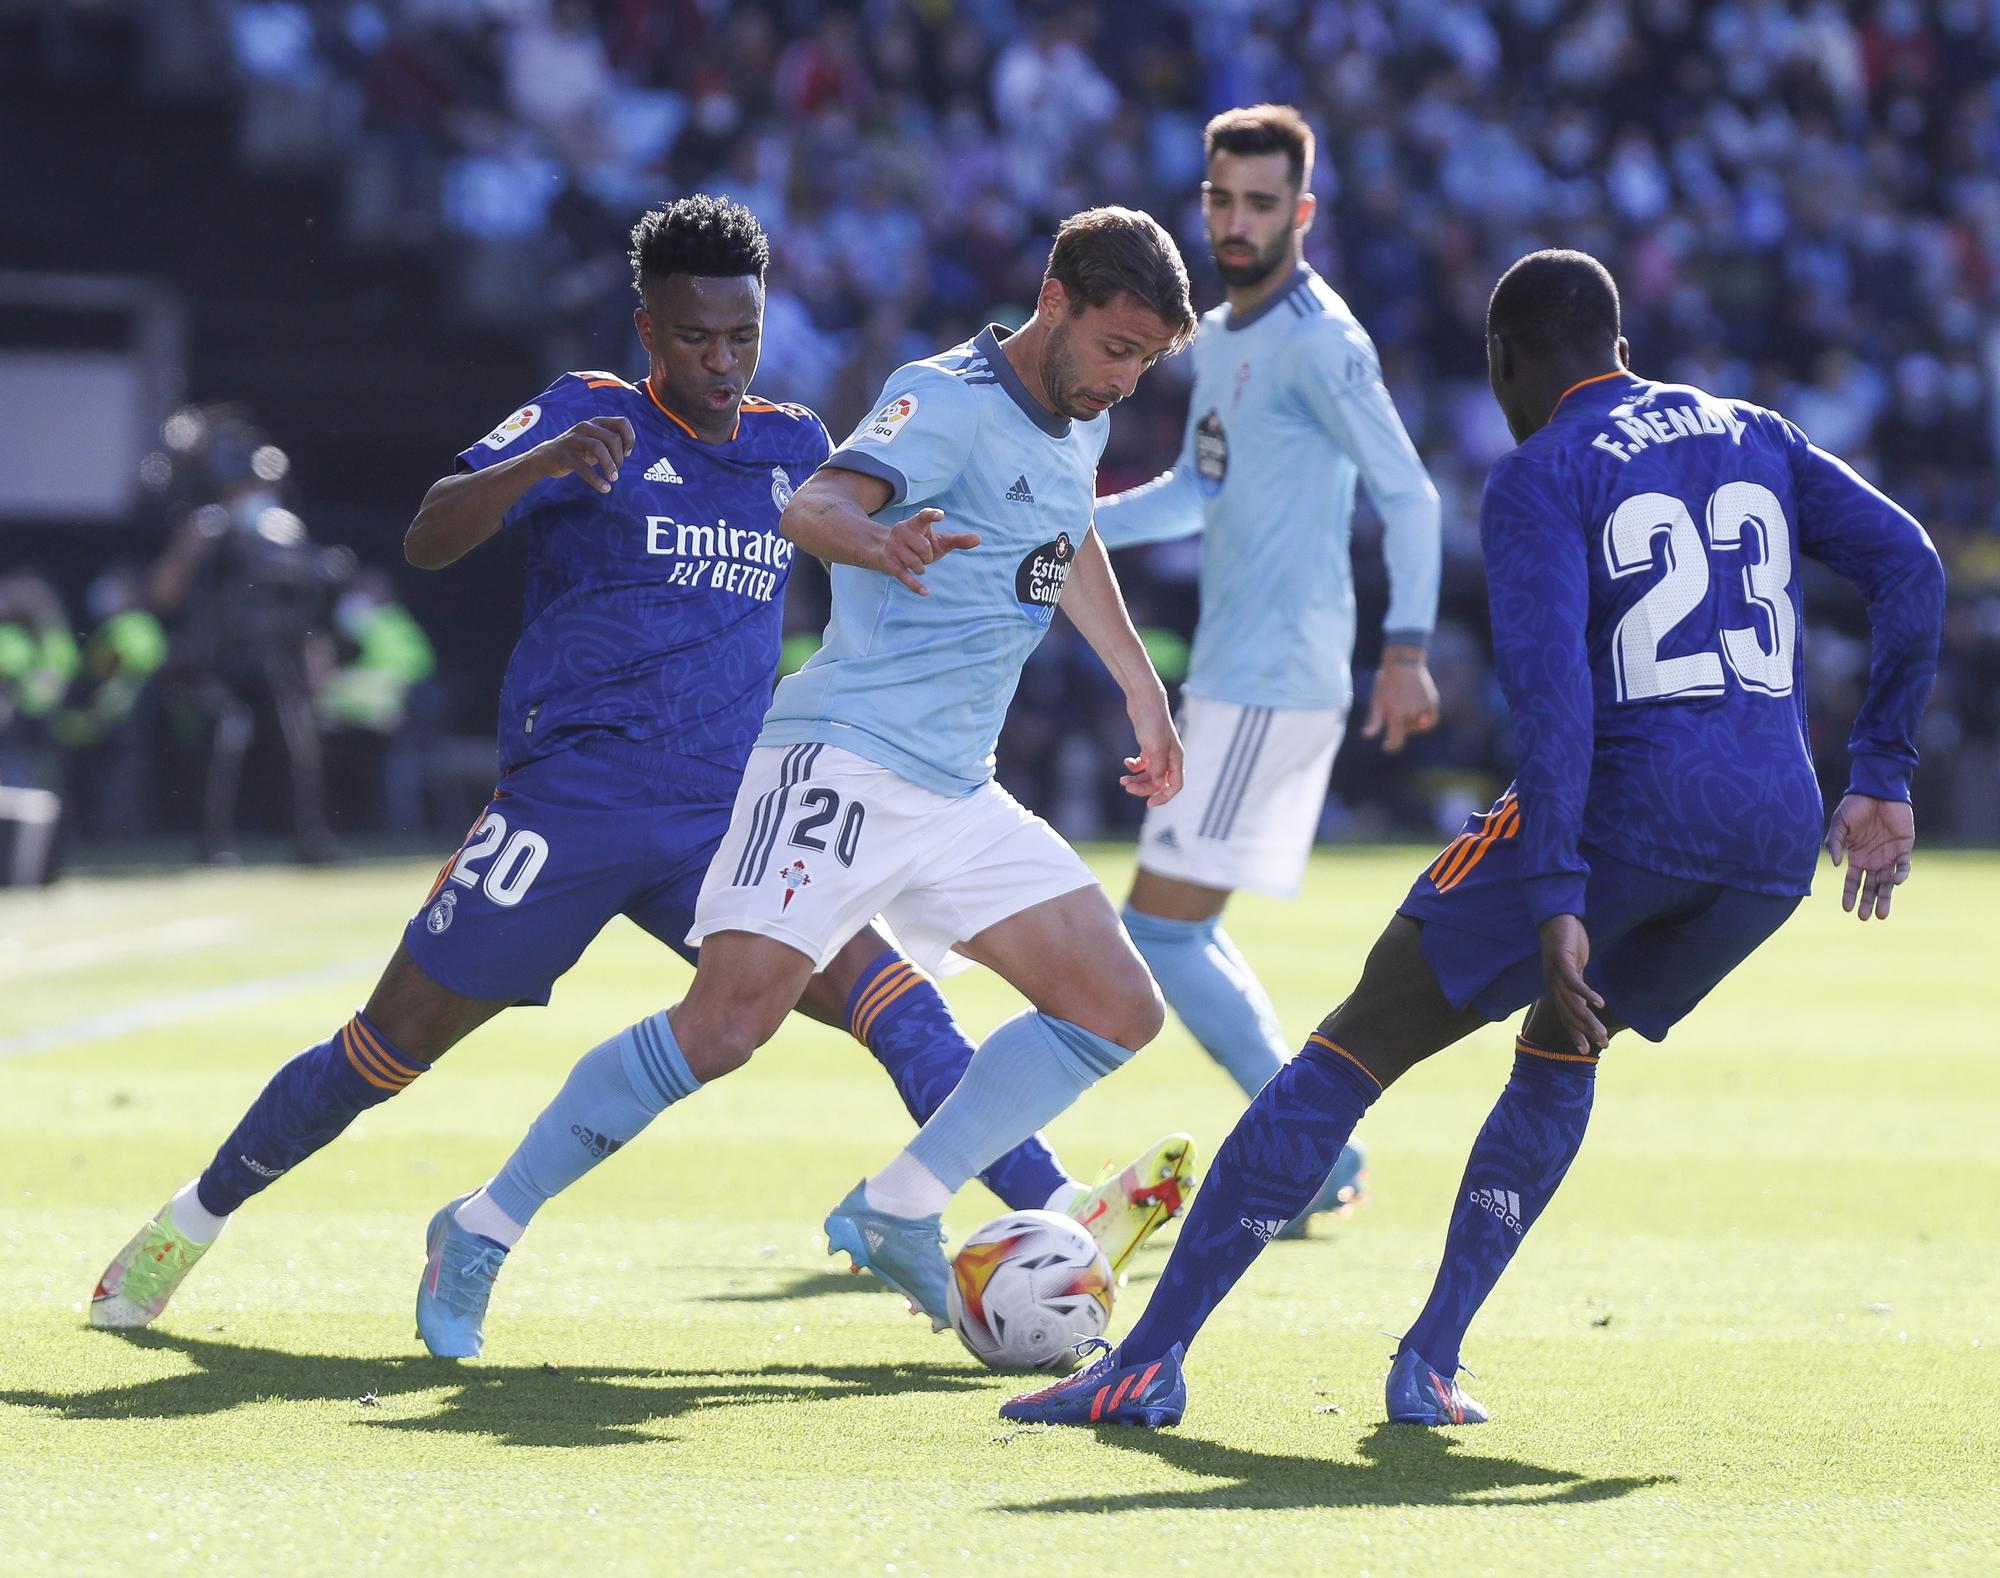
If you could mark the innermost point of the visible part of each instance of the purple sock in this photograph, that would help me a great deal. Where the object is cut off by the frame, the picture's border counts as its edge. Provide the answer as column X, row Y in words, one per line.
column 1266, row 1173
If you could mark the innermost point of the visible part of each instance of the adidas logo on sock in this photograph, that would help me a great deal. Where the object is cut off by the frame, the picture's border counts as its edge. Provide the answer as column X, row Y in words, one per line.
column 662, row 470
column 1166, row 838
column 1266, row 1228
column 1503, row 1203
column 1020, row 492
column 599, row 1145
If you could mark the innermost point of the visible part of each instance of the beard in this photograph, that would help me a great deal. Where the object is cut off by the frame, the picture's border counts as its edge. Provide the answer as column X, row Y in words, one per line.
column 1259, row 267
column 1061, row 382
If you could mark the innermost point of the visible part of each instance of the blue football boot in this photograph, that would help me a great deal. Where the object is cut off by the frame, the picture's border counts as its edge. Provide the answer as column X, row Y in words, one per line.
column 906, row 1253
column 1345, row 1188
column 1108, row 1392
column 458, row 1280
column 1418, row 1394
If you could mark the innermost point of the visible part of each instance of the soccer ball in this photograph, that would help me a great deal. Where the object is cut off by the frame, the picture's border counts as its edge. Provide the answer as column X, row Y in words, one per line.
column 1026, row 1288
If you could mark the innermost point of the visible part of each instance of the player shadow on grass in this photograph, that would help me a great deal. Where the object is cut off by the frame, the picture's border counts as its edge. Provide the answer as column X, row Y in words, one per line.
column 515, row 1405
column 801, row 1283
column 1406, row 1467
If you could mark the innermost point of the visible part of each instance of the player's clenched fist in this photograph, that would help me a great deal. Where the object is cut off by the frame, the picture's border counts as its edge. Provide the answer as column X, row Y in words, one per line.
column 592, row 450
column 908, row 546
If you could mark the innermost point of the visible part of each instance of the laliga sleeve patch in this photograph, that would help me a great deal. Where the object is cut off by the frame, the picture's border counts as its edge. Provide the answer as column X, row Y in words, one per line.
column 888, row 422
column 1039, row 582
column 513, row 427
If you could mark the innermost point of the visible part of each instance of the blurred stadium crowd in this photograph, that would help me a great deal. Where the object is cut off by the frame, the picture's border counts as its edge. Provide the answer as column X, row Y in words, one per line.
column 1800, row 200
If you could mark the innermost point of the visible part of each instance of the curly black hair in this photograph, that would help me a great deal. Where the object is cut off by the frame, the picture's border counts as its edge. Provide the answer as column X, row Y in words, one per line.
column 706, row 236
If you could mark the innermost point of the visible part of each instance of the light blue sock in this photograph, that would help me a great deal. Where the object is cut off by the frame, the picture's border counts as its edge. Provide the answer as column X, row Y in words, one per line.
column 1215, row 992
column 1023, row 1075
column 614, row 1091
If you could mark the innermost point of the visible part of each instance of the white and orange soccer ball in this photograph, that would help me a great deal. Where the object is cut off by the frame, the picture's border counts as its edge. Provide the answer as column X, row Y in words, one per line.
column 1026, row 1288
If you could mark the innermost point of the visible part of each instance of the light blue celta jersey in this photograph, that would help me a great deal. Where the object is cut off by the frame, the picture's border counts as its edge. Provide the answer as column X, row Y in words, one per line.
column 920, row 685
column 1288, row 409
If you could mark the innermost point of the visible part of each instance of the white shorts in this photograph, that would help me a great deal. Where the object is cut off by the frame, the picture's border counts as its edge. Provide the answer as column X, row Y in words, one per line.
column 1255, row 780
column 821, row 841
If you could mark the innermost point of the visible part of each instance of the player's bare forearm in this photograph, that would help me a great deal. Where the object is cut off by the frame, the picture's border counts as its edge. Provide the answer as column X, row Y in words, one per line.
column 1095, row 606
column 462, row 510
column 832, row 518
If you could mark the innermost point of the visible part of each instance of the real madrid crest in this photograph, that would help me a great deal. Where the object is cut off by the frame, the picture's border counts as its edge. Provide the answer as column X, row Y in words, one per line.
column 781, row 487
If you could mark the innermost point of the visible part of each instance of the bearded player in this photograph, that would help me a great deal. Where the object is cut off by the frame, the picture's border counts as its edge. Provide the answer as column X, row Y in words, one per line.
column 1643, row 546
column 1287, row 413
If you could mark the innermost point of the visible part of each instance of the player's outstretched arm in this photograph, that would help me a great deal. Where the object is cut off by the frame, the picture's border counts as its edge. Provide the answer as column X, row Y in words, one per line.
column 831, row 519
column 1875, row 837
column 461, row 511
column 1096, row 607
column 1162, row 510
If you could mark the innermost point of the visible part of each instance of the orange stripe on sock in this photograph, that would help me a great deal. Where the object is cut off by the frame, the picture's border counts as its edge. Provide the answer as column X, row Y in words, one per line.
column 1522, row 1044
column 387, row 1067
column 373, row 1043
column 915, row 980
column 1316, row 1039
column 361, row 1068
column 877, row 993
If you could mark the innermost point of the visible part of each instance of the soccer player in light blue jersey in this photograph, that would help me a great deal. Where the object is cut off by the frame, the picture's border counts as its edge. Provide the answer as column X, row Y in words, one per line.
column 1643, row 553
column 1288, row 411
column 955, row 519
column 656, row 576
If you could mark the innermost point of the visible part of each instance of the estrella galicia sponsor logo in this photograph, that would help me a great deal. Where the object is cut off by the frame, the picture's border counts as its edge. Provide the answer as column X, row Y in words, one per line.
column 781, row 488
column 1211, row 453
column 437, row 921
column 1043, row 574
column 599, row 1145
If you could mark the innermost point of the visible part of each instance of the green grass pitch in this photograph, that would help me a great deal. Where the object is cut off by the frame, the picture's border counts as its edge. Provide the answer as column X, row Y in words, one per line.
column 1756, row 1332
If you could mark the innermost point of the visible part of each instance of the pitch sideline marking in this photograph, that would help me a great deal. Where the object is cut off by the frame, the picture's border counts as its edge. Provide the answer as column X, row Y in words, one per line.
column 170, row 1010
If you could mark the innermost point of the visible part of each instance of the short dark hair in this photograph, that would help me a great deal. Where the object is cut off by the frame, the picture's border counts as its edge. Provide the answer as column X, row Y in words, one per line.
column 706, row 236
column 1103, row 251
column 1555, row 302
column 1263, row 128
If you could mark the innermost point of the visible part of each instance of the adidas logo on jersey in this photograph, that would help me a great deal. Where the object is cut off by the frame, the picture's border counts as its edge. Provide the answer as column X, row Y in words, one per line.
column 1020, row 492
column 1503, row 1203
column 1266, row 1228
column 662, row 470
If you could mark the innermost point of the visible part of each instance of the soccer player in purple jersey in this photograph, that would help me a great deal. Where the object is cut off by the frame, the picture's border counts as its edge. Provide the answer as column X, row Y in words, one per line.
column 1642, row 552
column 654, row 597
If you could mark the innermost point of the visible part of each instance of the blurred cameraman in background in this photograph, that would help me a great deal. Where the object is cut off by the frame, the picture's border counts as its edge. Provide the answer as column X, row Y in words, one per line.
column 247, row 597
